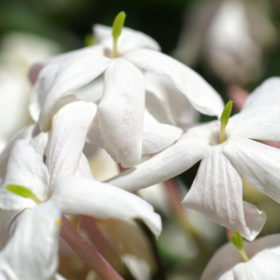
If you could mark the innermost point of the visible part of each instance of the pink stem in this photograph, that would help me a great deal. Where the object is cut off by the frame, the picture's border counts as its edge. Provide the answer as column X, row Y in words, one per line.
column 99, row 241
column 87, row 252
column 174, row 197
column 229, row 234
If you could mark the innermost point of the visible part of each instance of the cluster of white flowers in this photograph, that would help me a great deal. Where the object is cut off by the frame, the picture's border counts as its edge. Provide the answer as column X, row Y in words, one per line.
column 141, row 106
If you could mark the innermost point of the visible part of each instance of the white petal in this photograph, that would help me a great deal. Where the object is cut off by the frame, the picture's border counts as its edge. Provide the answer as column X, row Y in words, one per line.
column 259, row 123
column 217, row 193
column 129, row 39
column 258, row 163
column 25, row 168
column 63, row 77
column 59, row 277
column 263, row 264
column 76, row 195
column 158, row 136
column 39, row 143
column 200, row 94
column 101, row 32
column 84, row 168
column 7, row 225
column 268, row 93
column 43, row 86
column 167, row 104
column 67, row 138
column 32, row 251
column 92, row 92
column 25, row 133
column 121, row 112
column 167, row 164
column 137, row 267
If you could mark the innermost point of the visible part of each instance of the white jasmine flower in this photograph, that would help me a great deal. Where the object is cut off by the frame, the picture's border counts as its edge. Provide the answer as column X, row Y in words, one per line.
column 217, row 188
column 32, row 250
column 230, row 37
column 263, row 263
column 66, row 177
column 121, row 109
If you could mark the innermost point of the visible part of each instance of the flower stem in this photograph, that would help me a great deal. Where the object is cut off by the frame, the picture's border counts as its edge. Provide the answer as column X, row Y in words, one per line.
column 99, row 241
column 87, row 252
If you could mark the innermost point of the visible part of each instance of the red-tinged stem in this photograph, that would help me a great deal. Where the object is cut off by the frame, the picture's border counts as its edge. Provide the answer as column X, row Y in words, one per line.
column 87, row 252
column 229, row 234
column 174, row 197
column 99, row 241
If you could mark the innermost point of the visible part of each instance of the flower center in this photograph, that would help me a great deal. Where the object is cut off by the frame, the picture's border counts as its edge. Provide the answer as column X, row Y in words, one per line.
column 108, row 52
column 215, row 138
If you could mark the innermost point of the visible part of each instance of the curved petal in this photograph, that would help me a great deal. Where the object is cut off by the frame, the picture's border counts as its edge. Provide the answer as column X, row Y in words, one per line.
column 32, row 251
column 25, row 133
column 60, row 78
column 59, row 277
column 158, row 136
column 76, row 195
column 167, row 164
column 129, row 39
column 259, row 123
column 263, row 263
column 8, row 220
column 200, row 94
column 258, row 163
column 84, row 168
column 39, row 143
column 268, row 93
column 263, row 266
column 67, row 138
column 25, row 168
column 43, row 85
column 167, row 104
column 92, row 92
column 121, row 112
column 217, row 193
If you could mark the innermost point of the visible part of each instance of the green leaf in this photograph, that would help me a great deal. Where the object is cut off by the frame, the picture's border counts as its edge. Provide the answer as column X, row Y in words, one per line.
column 23, row 191
column 224, row 120
column 237, row 240
column 118, row 24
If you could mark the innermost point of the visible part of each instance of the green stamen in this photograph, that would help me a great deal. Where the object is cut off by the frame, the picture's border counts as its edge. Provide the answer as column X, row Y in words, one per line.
column 224, row 120
column 237, row 241
column 24, row 192
column 117, row 30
